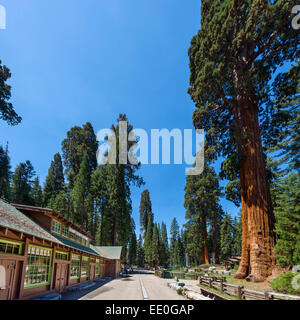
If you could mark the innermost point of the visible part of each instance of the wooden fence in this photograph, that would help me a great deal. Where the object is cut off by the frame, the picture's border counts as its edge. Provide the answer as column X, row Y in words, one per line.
column 240, row 292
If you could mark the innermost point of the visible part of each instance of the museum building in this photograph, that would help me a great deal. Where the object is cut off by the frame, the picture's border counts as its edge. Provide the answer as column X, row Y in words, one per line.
column 41, row 252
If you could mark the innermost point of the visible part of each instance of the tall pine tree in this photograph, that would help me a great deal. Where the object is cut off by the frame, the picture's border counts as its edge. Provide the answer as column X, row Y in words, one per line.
column 22, row 182
column 80, row 195
column 5, row 173
column 287, row 214
column 54, row 181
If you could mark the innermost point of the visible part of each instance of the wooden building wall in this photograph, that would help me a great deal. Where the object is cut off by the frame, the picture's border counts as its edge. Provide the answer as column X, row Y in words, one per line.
column 15, row 269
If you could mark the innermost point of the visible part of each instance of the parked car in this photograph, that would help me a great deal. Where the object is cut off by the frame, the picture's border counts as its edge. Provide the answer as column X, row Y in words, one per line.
column 129, row 269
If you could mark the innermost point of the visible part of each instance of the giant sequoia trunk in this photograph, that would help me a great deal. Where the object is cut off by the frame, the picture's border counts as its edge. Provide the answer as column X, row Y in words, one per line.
column 257, row 213
column 204, row 256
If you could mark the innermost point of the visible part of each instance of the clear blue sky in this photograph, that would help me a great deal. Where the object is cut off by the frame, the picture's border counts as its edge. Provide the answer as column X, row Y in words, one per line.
column 78, row 61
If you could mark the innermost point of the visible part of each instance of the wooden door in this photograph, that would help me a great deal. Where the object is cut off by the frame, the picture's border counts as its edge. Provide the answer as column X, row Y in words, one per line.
column 57, row 276
column 7, row 278
column 60, row 276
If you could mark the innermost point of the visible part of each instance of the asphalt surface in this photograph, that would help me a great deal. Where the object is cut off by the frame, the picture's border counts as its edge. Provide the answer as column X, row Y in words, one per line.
column 138, row 286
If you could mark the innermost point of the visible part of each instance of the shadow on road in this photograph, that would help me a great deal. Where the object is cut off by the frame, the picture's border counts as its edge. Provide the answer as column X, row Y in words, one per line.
column 75, row 295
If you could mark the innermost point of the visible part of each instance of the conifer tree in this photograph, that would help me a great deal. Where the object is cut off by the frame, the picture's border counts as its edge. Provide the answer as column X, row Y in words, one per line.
column 55, row 182
column 140, row 257
column 22, row 181
column 287, row 214
column 100, row 195
column 132, row 247
column 226, row 240
column 37, row 193
column 176, row 246
column 120, row 177
column 80, row 195
column 5, row 174
column 61, row 203
column 148, row 247
column 7, row 112
column 232, row 59
column 156, row 246
column 237, row 236
column 80, row 140
column 145, row 210
column 164, row 256
column 202, row 194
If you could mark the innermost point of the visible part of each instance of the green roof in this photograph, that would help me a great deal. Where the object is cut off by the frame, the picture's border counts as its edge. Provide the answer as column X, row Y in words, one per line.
column 113, row 253
column 11, row 218
column 77, row 246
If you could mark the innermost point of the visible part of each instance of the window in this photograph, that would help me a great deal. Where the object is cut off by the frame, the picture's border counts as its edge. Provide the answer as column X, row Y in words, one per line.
column 98, row 268
column 56, row 226
column 65, row 231
column 72, row 236
column 75, row 266
column 85, row 266
column 8, row 247
column 38, row 266
column 61, row 255
column 85, row 242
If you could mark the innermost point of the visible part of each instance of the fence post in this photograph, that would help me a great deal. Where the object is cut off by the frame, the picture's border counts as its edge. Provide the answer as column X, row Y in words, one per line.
column 210, row 284
column 222, row 286
column 267, row 296
column 239, row 293
column 200, row 279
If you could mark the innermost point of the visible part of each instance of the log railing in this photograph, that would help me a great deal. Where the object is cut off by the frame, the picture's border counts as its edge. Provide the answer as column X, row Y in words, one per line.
column 242, row 293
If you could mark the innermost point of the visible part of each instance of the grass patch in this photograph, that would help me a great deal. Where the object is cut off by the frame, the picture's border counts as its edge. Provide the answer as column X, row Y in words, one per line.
column 218, row 292
column 283, row 283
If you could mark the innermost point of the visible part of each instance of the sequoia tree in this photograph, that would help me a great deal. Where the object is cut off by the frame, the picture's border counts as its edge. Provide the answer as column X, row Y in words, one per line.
column 232, row 59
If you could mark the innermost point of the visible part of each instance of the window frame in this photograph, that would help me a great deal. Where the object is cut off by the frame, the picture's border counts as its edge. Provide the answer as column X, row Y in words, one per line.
column 86, row 261
column 63, row 233
column 53, row 228
column 7, row 242
column 34, row 266
column 79, row 266
column 62, row 253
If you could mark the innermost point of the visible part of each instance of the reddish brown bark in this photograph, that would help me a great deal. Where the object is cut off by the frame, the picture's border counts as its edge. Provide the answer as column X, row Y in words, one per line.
column 204, row 255
column 257, row 214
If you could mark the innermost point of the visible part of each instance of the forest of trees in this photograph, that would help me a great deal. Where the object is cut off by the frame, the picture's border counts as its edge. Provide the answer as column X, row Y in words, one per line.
column 96, row 198
column 245, row 83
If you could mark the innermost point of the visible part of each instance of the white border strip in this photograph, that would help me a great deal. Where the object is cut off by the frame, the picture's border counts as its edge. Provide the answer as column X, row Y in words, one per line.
column 145, row 295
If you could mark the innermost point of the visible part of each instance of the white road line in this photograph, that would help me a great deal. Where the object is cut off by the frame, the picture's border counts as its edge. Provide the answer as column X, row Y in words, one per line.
column 145, row 295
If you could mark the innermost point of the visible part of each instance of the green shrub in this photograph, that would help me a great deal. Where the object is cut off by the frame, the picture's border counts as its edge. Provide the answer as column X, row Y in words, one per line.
column 179, row 291
column 283, row 283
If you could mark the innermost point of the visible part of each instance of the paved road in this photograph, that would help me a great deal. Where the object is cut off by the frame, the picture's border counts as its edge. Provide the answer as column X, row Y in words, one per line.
column 130, row 288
